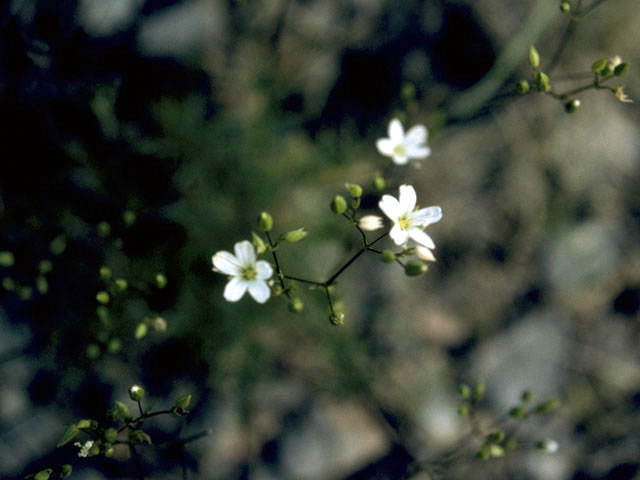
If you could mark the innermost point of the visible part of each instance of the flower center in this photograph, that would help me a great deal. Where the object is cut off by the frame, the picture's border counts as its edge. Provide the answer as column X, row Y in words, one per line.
column 404, row 222
column 398, row 150
column 249, row 273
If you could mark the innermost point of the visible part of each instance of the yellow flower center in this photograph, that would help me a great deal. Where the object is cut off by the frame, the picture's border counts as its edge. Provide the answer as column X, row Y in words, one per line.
column 398, row 150
column 249, row 273
column 403, row 221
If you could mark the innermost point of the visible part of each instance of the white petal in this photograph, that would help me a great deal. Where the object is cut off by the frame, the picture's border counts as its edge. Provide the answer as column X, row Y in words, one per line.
column 385, row 146
column 416, row 151
column 400, row 159
column 399, row 236
column 426, row 216
column 396, row 132
column 245, row 253
column 407, row 199
column 235, row 289
column 425, row 253
column 416, row 135
column 226, row 263
column 264, row 270
column 259, row 291
column 369, row 223
column 390, row 207
column 421, row 238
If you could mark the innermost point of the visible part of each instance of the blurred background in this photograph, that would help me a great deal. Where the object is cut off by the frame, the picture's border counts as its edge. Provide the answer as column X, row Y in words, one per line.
column 194, row 115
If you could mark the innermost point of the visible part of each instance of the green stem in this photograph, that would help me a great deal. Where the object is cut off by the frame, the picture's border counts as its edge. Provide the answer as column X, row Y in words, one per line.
column 277, row 264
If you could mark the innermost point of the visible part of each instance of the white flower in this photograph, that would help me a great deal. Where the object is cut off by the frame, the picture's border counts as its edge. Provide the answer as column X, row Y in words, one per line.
column 407, row 221
column 400, row 147
column 370, row 223
column 247, row 273
column 84, row 449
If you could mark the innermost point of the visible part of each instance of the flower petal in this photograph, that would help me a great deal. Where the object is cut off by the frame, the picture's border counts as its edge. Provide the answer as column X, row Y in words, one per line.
column 416, row 135
column 385, row 146
column 400, row 159
column 226, row 263
column 425, row 253
column 399, row 236
column 396, row 132
column 426, row 216
column 390, row 207
column 259, row 291
column 264, row 270
column 245, row 253
column 235, row 289
column 369, row 223
column 407, row 199
column 416, row 151
column 421, row 238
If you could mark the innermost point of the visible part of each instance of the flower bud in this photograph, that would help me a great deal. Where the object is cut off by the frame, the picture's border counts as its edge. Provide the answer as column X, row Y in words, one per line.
column 102, row 297
column 542, row 82
column 354, row 189
column 114, row 346
column 159, row 324
column 415, row 268
column 121, row 410
column 183, row 402
column 621, row 69
column 464, row 391
column 379, row 183
column 84, row 423
column 369, row 223
column 6, row 259
column 565, row 7
column 43, row 474
column 104, row 229
column 527, row 396
column 294, row 236
column 337, row 318
column 295, row 305
column 161, row 280
column 141, row 330
column 478, row 391
column 495, row 437
column 258, row 243
column 8, row 284
column 129, row 217
column 140, row 437
column 599, row 65
column 523, row 87
column 572, row 106
column 65, row 470
column 42, row 285
column 25, row 293
column 58, row 245
column 92, row 351
column 548, row 405
column 518, row 413
column 111, row 435
column 547, row 445
column 265, row 222
column 136, row 392
column 122, row 284
column 387, row 256
column 338, row 205
column 464, row 409
column 496, row 450
column 68, row 435
column 45, row 266
column 94, row 450
column 534, row 57
column 108, row 451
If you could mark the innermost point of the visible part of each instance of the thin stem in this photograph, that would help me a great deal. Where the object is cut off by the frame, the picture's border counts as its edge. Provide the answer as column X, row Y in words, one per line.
column 136, row 460
column 277, row 264
column 140, row 408
column 326, row 289
column 345, row 266
column 304, row 280
column 142, row 417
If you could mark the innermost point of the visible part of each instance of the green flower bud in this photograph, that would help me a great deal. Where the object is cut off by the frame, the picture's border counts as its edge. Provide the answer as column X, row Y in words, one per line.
column 294, row 236
column 548, row 405
column 43, row 474
column 408, row 92
column 495, row 437
column 258, row 243
column 45, row 266
column 122, row 284
column 102, row 297
column 140, row 437
column 523, row 87
column 136, row 392
column 58, row 245
column 355, row 202
column 534, row 57
column 111, row 435
column 464, row 409
column 337, row 319
column 478, row 391
column 8, row 284
column 265, row 222
column 84, row 423
column 518, row 413
column 108, row 451
column 159, row 324
column 129, row 217
column 161, row 280
column 183, row 402
column 565, row 7
column 415, row 268
column 295, row 305
column 354, row 189
column 25, row 293
column 542, row 82
column 105, row 273
column 65, row 470
column 277, row 290
column 621, row 69
column 527, row 396
column 94, row 450
column 121, row 410
column 496, row 450
column 103, row 228
column 464, row 391
column 42, row 285
column 484, row 453
column 92, row 351
column 338, row 205
column 599, row 65
column 572, row 106
column 387, row 256
column 379, row 183
column 114, row 346
column 511, row 443
column 6, row 259
column 141, row 330
column 68, row 435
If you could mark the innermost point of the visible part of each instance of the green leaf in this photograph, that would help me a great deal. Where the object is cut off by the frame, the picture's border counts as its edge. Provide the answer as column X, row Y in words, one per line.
column 69, row 434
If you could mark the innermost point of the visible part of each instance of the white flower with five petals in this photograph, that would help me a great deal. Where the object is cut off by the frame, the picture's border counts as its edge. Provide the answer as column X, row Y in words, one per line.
column 400, row 147
column 246, row 271
column 409, row 222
